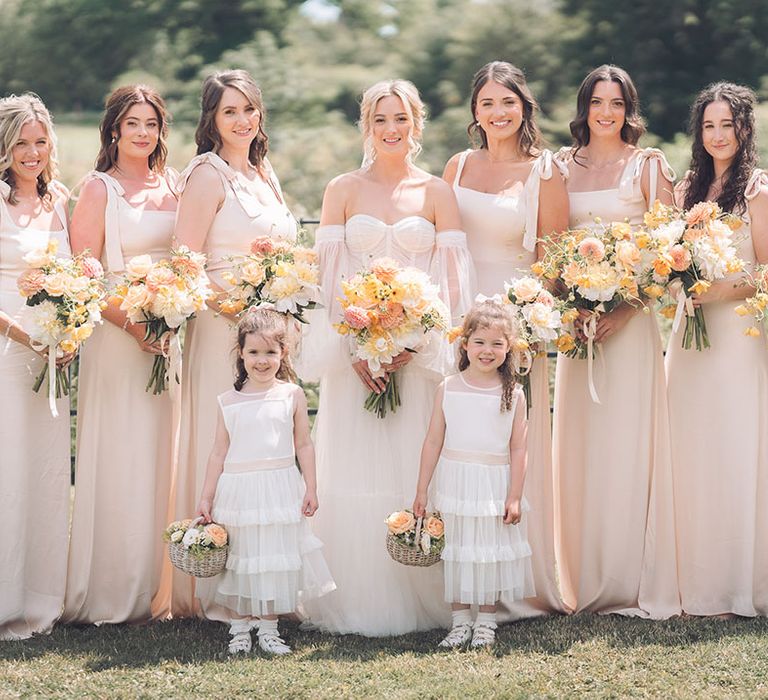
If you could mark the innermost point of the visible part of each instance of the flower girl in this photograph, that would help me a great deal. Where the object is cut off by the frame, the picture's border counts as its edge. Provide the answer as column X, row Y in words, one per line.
column 476, row 449
column 253, row 488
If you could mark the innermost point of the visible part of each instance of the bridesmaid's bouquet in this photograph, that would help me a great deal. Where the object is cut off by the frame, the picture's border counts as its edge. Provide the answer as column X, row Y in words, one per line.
column 163, row 295
column 387, row 310
column 66, row 296
column 276, row 272
column 756, row 304
column 683, row 253
column 595, row 269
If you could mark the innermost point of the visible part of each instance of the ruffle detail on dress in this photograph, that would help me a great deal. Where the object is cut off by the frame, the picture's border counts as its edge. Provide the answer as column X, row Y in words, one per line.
column 484, row 584
column 259, row 498
column 487, row 555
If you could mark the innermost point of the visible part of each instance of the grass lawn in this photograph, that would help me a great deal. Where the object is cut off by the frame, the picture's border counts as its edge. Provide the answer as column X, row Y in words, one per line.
column 553, row 657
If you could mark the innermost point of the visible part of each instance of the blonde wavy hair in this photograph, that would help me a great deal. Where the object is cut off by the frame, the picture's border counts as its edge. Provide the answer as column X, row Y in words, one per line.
column 414, row 108
column 15, row 112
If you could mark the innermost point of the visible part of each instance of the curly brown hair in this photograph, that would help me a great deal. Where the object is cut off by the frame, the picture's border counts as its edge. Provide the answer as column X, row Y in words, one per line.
column 271, row 325
column 741, row 100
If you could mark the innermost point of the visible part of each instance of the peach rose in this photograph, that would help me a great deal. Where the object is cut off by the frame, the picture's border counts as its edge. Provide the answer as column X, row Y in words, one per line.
column 356, row 317
column 592, row 249
column 392, row 316
column 217, row 534
column 57, row 284
column 160, row 277
column 681, row 258
column 627, row 254
column 385, row 269
column 30, row 282
column 400, row 522
column 263, row 245
column 434, row 526
column 187, row 267
column 252, row 273
column 701, row 213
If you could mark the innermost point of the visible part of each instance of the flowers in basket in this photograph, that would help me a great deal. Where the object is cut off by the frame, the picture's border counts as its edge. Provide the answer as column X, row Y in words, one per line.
column 197, row 549
column 276, row 272
column 683, row 253
column 66, row 296
column 756, row 304
column 416, row 541
column 163, row 295
column 388, row 310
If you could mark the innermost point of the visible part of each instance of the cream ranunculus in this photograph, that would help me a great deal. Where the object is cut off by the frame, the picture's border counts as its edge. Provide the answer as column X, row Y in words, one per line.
column 139, row 266
column 526, row 288
column 58, row 284
column 627, row 254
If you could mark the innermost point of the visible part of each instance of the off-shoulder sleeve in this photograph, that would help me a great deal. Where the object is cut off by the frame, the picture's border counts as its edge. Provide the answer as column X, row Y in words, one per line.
column 454, row 272
column 757, row 181
column 630, row 185
column 543, row 167
column 322, row 349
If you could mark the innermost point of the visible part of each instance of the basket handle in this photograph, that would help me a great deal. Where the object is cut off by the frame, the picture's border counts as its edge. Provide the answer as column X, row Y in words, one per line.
column 417, row 538
column 197, row 520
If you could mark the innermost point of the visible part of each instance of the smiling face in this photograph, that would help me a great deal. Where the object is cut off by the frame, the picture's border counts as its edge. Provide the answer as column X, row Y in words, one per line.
column 392, row 127
column 499, row 111
column 607, row 110
column 237, row 119
column 139, row 131
column 261, row 357
column 718, row 132
column 31, row 152
column 486, row 349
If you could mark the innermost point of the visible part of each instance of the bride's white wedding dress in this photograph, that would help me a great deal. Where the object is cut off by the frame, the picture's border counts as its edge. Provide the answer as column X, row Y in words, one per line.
column 367, row 467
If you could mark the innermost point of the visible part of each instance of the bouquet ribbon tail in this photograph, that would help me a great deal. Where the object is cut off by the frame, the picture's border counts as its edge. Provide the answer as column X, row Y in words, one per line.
column 52, row 381
column 684, row 305
column 173, row 371
column 590, row 330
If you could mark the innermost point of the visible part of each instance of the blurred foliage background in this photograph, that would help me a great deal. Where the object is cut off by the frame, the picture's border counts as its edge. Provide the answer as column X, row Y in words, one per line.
column 314, row 58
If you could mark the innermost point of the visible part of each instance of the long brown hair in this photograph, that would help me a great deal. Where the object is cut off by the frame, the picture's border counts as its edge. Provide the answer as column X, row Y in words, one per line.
column 272, row 326
column 741, row 101
column 512, row 78
column 492, row 314
column 207, row 136
column 634, row 126
column 115, row 109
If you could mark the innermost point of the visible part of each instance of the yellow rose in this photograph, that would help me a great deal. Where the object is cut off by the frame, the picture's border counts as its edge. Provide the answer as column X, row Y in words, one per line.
column 653, row 290
column 569, row 316
column 742, row 310
column 699, row 287
column 68, row 345
column 668, row 311
column 661, row 266
column 217, row 534
column 400, row 521
column 565, row 343
column 231, row 306
column 752, row 332
column 642, row 240
column 434, row 526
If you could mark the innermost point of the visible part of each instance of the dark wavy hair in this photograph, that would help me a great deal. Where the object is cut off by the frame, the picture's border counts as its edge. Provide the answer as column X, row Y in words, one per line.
column 512, row 78
column 741, row 101
column 487, row 314
column 207, row 136
column 271, row 325
column 634, row 125
column 115, row 109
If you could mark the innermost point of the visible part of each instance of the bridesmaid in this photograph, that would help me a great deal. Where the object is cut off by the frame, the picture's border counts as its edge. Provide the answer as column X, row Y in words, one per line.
column 229, row 196
column 721, row 482
column 614, row 509
column 508, row 200
column 118, row 571
column 34, row 478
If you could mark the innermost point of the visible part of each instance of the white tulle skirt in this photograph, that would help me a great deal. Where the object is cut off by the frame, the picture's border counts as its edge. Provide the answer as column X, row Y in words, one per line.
column 274, row 562
column 483, row 558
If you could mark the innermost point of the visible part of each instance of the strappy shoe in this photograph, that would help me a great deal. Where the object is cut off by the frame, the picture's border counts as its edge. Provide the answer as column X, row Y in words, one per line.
column 240, row 643
column 483, row 636
column 457, row 637
column 272, row 644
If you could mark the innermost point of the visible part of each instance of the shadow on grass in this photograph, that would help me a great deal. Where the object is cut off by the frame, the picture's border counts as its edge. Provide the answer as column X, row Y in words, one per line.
column 194, row 642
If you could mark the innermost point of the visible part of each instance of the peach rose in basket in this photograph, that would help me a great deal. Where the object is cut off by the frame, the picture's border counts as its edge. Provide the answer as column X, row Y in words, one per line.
column 263, row 245
column 680, row 258
column 217, row 534
column 434, row 526
column 30, row 282
column 385, row 269
column 400, row 522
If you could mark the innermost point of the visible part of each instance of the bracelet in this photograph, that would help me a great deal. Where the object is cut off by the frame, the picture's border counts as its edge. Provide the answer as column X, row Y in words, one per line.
column 125, row 323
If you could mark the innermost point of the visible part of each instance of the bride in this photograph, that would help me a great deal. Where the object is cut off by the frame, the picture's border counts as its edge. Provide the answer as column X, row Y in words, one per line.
column 367, row 466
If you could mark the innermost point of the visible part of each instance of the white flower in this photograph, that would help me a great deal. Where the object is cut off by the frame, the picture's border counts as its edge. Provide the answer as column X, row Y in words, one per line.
column 138, row 267
column 191, row 536
column 543, row 320
column 426, row 542
column 46, row 328
column 668, row 234
column 176, row 536
column 525, row 289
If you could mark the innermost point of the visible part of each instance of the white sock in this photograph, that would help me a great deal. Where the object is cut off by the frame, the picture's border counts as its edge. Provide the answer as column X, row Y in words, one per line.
column 461, row 617
column 268, row 627
column 486, row 619
column 240, row 626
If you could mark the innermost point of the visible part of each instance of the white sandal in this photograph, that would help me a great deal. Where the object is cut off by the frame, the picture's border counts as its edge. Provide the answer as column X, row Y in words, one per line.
column 271, row 643
column 483, row 636
column 457, row 637
column 240, row 643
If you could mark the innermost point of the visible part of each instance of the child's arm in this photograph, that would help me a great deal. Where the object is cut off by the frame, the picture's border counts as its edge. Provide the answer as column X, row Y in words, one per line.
column 518, row 463
column 214, row 468
column 305, row 452
column 430, row 453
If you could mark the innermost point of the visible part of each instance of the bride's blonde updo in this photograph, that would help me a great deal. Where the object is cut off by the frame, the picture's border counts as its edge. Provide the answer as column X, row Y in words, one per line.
column 414, row 108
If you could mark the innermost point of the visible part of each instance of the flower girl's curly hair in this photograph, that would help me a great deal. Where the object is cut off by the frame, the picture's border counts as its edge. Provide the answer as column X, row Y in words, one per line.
column 272, row 326
column 492, row 314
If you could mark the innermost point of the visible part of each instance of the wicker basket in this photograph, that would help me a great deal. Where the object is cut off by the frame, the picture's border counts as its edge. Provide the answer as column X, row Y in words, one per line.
column 210, row 564
column 410, row 555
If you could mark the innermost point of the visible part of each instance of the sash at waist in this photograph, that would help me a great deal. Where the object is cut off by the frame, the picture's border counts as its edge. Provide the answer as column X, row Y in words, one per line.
column 254, row 465
column 475, row 457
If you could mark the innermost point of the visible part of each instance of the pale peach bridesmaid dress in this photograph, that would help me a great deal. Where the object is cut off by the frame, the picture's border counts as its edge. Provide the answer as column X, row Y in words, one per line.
column 614, row 506
column 34, row 467
column 718, row 403
column 501, row 237
column 208, row 348
column 118, row 569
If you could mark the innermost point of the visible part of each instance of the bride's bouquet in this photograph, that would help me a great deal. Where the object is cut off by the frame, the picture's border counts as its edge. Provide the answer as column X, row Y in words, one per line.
column 163, row 295
column 387, row 310
column 276, row 272
column 683, row 253
column 66, row 296
column 756, row 304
